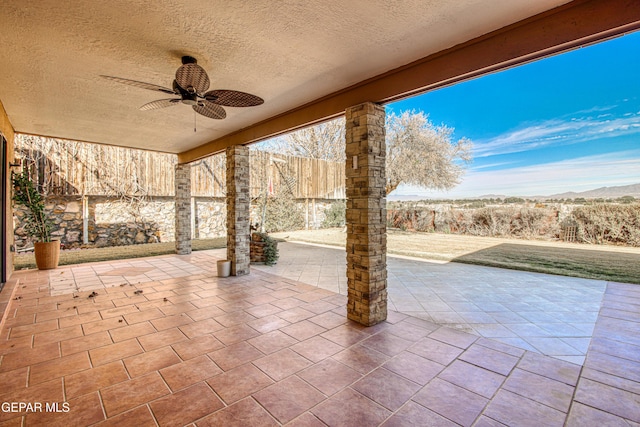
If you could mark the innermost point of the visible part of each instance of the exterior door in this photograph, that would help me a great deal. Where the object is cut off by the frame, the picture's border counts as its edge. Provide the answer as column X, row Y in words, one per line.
column 3, row 212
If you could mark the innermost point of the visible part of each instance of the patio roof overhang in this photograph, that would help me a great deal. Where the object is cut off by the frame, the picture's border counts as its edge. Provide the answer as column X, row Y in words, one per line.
column 308, row 62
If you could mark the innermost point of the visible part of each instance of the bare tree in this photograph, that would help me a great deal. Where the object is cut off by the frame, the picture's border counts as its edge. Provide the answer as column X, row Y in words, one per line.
column 324, row 141
column 420, row 153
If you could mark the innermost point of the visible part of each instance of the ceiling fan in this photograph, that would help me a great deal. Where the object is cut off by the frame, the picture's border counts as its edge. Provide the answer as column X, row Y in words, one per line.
column 190, row 87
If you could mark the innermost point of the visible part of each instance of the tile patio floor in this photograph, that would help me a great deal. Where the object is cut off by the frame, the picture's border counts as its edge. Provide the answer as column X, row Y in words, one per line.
column 551, row 315
column 166, row 342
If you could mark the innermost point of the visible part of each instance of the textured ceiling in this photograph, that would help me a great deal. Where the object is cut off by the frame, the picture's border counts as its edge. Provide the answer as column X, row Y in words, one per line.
column 290, row 53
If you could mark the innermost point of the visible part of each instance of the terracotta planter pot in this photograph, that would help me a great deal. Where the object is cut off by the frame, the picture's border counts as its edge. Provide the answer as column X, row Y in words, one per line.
column 47, row 254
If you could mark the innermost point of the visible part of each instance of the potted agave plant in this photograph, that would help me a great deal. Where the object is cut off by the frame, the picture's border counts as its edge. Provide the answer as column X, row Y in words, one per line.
column 47, row 251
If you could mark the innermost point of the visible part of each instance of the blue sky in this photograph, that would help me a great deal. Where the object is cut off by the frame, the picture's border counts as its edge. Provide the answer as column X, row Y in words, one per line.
column 570, row 122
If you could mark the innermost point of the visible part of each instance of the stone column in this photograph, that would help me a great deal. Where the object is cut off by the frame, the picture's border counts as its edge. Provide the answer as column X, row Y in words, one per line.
column 366, row 214
column 238, row 209
column 183, row 208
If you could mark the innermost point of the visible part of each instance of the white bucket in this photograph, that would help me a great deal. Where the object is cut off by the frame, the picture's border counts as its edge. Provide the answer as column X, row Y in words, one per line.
column 224, row 268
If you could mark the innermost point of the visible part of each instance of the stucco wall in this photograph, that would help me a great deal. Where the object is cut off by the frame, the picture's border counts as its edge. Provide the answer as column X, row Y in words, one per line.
column 7, row 130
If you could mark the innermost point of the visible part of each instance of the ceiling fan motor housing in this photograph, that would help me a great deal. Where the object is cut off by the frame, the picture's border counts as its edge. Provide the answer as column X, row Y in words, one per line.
column 189, row 98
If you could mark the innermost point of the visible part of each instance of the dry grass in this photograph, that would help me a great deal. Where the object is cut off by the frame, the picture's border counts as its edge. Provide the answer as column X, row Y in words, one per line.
column 602, row 262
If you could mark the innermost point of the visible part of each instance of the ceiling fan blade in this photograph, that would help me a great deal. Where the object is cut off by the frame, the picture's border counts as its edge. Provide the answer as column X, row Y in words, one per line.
column 210, row 110
column 192, row 78
column 142, row 85
column 160, row 103
column 233, row 98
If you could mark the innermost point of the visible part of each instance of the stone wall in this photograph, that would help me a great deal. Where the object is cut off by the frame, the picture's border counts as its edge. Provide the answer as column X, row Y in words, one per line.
column 114, row 222
column 110, row 221
column 210, row 217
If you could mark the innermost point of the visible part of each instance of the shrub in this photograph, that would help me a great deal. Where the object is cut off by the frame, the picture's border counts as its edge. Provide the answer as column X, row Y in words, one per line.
column 335, row 215
column 283, row 214
column 608, row 223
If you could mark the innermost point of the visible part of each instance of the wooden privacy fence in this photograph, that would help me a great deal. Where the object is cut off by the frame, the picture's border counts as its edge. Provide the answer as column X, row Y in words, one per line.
column 272, row 174
column 66, row 168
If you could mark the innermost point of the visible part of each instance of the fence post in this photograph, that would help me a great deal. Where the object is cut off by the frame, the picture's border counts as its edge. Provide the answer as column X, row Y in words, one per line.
column 85, row 219
column 306, row 214
column 313, row 203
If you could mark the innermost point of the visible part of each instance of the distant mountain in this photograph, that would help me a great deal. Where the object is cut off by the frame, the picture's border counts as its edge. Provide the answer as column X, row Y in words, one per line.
column 405, row 198
column 602, row 192
column 599, row 193
column 490, row 196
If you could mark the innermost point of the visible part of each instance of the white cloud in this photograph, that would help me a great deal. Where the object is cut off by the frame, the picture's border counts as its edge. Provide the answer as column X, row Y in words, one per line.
column 579, row 174
column 557, row 133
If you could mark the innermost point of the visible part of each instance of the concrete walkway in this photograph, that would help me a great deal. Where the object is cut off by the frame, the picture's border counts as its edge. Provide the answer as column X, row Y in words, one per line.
column 551, row 315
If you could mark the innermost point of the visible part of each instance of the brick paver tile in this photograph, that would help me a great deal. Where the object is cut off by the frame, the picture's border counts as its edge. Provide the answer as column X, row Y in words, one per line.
column 281, row 364
column 287, row 399
column 473, row 378
column 413, row 414
column 197, row 346
column 30, row 356
column 452, row 402
column 95, row 379
column 100, row 356
column 487, row 358
column 436, row 351
column 161, row 339
column 386, row 388
column 129, row 394
column 552, row 393
column 139, row 417
column 317, row 348
column 247, row 412
column 551, row 368
column 235, row 355
column 82, row 411
column 185, row 406
column 529, row 412
column 88, row 342
column 609, row 399
column 59, row 367
column 133, row 331
column 413, row 367
column 350, row 409
column 151, row 361
column 184, row 374
column 360, row 358
column 239, row 382
column 272, row 341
